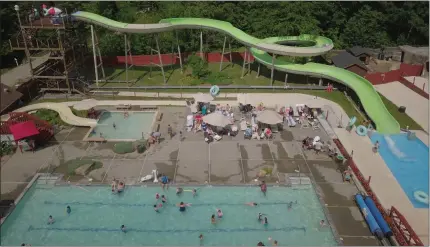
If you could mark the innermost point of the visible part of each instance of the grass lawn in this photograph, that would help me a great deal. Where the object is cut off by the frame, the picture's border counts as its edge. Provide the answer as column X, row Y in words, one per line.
column 140, row 76
column 403, row 118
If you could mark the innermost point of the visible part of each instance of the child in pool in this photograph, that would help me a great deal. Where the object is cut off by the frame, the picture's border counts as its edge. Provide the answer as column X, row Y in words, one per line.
column 157, row 196
column 163, row 199
column 213, row 220
column 219, row 212
column 68, row 210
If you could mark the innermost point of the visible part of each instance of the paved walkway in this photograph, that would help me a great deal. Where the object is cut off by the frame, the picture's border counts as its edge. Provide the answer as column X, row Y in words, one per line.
column 417, row 107
column 383, row 183
column 420, row 82
column 21, row 73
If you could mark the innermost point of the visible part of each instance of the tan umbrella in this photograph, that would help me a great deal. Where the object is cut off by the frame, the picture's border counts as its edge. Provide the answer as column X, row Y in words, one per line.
column 217, row 119
column 203, row 97
column 269, row 117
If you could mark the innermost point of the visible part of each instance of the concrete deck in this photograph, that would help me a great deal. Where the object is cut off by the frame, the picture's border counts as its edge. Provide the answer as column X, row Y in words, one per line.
column 417, row 107
column 420, row 82
column 233, row 160
column 383, row 183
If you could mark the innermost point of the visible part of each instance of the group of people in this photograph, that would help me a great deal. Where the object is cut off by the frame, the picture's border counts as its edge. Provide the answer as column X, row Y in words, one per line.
column 117, row 186
column 319, row 146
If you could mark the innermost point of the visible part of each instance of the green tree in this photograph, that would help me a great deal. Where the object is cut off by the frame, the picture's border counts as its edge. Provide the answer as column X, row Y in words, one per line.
column 198, row 66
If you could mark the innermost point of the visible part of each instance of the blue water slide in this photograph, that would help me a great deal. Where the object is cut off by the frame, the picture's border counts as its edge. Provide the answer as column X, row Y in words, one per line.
column 368, row 216
column 378, row 216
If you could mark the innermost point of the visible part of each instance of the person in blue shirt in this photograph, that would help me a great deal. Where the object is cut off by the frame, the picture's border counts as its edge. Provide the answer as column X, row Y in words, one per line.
column 164, row 182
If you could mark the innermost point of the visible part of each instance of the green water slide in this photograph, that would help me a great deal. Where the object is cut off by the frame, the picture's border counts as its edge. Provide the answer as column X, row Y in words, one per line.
column 316, row 45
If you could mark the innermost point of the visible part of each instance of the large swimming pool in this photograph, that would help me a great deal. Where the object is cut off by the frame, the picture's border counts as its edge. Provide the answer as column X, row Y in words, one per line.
column 408, row 160
column 97, row 215
column 130, row 127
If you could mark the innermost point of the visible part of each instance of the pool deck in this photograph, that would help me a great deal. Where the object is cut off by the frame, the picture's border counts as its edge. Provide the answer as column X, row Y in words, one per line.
column 417, row 107
column 383, row 183
column 232, row 161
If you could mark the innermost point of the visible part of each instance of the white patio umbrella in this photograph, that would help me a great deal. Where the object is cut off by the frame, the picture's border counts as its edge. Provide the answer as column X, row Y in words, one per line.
column 269, row 117
column 203, row 97
column 216, row 119
column 85, row 104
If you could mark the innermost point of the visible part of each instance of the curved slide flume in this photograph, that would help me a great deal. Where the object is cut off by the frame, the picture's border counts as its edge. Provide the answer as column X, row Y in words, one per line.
column 260, row 48
column 64, row 111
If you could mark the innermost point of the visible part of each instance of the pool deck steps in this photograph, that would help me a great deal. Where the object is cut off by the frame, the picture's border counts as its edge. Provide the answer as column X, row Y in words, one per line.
column 292, row 179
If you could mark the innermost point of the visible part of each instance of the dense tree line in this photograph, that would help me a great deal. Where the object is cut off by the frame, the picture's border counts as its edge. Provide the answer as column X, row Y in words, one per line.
column 369, row 24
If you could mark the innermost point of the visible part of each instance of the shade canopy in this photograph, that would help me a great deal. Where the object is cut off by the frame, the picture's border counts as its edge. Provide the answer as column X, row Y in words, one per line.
column 217, row 119
column 269, row 117
column 23, row 130
column 203, row 97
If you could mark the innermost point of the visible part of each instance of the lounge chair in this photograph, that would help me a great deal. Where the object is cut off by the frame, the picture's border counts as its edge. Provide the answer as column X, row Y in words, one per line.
column 243, row 124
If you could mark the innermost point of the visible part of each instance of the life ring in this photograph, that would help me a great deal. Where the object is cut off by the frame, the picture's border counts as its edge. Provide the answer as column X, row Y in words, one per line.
column 421, row 196
column 214, row 91
column 352, row 121
column 361, row 130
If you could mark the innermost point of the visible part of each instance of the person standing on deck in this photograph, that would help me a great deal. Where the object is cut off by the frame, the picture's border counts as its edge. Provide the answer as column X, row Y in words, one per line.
column 170, row 131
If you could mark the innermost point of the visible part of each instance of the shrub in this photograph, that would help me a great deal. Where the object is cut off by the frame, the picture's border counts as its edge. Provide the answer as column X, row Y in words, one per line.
column 6, row 148
column 198, row 66
column 49, row 116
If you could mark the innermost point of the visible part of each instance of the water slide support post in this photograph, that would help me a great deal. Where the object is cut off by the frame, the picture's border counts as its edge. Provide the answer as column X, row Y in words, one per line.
column 286, row 77
column 126, row 58
column 258, row 71
column 222, row 53
column 94, row 55
column 60, row 44
column 179, row 51
column 161, row 61
column 201, row 45
column 320, row 83
column 131, row 57
column 248, row 61
column 27, row 52
column 273, row 69
column 244, row 62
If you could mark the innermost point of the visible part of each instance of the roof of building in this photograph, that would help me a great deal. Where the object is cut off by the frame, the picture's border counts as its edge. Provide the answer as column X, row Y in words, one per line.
column 23, row 130
column 419, row 51
column 8, row 96
column 344, row 60
column 358, row 51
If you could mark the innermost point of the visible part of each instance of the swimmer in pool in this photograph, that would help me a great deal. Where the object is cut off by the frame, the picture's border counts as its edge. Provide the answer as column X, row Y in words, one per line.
column 163, row 199
column 179, row 191
column 194, row 192
column 50, row 220
column 183, row 206
column 157, row 196
column 274, row 242
column 263, row 187
column 266, row 221
column 68, row 210
column 252, row 204
column 114, row 125
column 322, row 223
column 260, row 217
column 201, row 237
column 213, row 220
column 260, row 244
column 114, row 184
column 219, row 212
column 123, row 228
column 156, row 208
column 121, row 187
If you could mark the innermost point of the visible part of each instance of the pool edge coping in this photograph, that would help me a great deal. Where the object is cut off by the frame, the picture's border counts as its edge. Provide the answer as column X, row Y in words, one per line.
column 21, row 195
column 154, row 120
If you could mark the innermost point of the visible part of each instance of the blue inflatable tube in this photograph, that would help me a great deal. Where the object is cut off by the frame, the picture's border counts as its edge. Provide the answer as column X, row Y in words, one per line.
column 378, row 216
column 214, row 91
column 361, row 130
column 368, row 216
column 352, row 121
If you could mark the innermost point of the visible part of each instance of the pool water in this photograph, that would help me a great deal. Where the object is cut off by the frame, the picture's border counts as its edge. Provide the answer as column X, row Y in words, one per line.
column 408, row 160
column 97, row 215
column 130, row 127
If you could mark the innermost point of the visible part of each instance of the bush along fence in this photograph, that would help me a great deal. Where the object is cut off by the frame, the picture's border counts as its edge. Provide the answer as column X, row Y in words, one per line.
column 400, row 227
column 398, row 75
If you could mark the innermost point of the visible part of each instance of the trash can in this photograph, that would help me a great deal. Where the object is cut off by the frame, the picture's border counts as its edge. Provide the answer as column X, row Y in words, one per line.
column 402, row 109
